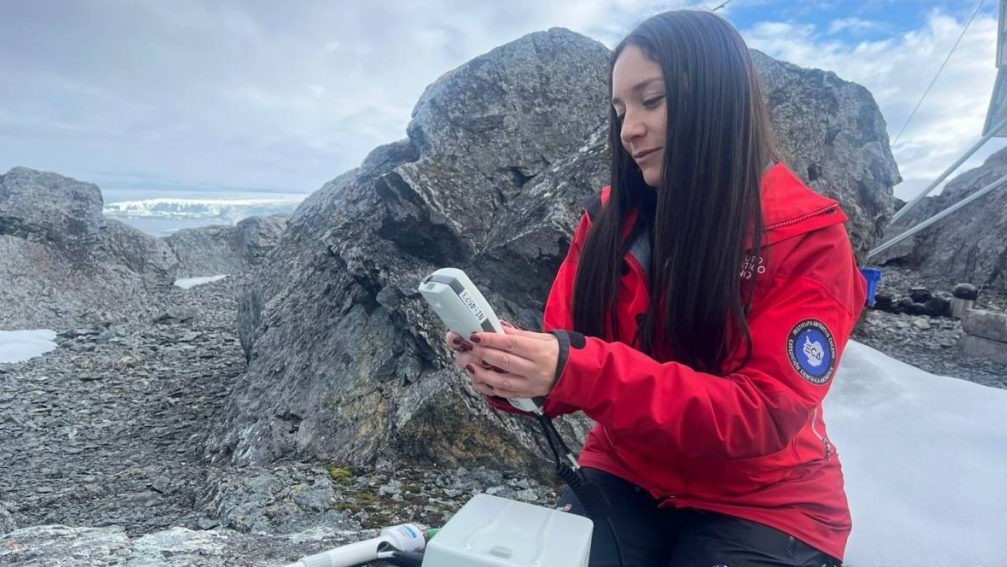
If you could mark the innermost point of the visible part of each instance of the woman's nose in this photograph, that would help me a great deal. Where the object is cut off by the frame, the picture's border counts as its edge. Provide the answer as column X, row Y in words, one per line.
column 632, row 129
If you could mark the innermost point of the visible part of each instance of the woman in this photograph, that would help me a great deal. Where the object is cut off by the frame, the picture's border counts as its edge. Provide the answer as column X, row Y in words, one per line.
column 698, row 318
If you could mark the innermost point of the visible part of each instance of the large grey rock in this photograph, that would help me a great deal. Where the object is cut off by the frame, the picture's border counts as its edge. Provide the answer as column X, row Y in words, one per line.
column 205, row 251
column 969, row 244
column 834, row 137
column 45, row 207
column 347, row 365
column 137, row 251
column 62, row 264
column 213, row 250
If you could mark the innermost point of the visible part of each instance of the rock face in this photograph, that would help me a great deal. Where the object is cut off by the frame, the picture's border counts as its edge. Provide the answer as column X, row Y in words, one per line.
column 347, row 365
column 212, row 250
column 62, row 263
column 969, row 244
column 833, row 136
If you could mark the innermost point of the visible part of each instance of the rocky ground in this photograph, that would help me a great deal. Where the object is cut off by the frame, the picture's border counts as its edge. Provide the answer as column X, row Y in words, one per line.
column 107, row 432
column 930, row 343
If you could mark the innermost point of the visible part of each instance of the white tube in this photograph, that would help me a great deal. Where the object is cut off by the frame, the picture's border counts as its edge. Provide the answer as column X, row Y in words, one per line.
column 344, row 556
column 404, row 537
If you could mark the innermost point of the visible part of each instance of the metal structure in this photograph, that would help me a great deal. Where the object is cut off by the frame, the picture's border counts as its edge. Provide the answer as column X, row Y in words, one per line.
column 997, row 113
column 995, row 127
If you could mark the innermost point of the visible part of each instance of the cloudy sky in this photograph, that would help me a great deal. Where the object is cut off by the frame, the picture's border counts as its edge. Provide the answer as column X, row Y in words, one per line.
column 153, row 98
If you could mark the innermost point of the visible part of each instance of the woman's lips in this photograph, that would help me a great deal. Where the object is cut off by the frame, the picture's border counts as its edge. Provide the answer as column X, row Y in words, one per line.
column 644, row 154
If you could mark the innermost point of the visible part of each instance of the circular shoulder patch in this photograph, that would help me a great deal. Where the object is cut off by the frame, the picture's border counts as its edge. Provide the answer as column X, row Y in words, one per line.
column 812, row 351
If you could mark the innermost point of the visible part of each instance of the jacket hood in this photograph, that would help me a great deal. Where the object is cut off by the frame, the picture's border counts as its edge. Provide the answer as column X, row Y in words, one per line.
column 790, row 208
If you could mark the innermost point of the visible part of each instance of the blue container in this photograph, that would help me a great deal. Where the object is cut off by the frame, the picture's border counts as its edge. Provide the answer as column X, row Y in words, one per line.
column 873, row 276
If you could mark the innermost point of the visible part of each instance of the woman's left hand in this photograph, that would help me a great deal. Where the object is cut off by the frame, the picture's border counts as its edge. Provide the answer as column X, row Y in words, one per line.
column 524, row 362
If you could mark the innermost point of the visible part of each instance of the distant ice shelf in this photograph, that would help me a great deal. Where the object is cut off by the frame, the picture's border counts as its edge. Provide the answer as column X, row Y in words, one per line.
column 229, row 210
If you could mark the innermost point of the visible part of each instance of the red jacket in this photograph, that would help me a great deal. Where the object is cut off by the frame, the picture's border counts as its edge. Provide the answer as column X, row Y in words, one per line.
column 751, row 444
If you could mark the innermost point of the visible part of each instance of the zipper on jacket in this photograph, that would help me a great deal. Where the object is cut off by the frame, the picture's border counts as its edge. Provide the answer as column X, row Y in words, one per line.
column 825, row 440
column 829, row 209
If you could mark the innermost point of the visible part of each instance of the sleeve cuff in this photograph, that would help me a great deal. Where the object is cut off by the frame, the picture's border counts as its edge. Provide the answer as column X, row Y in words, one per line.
column 567, row 339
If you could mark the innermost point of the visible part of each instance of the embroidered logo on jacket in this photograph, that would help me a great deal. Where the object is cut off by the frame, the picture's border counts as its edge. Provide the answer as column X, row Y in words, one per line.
column 752, row 266
column 812, row 351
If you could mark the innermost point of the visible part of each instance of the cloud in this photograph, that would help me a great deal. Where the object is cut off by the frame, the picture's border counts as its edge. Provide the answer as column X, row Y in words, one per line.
column 855, row 25
column 241, row 93
column 897, row 70
column 288, row 95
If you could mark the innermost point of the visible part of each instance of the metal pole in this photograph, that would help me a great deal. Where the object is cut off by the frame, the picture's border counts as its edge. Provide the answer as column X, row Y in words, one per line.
column 996, row 184
column 968, row 153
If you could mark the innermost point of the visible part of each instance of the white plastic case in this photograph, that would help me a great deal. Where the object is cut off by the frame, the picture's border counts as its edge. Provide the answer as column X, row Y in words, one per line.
column 495, row 532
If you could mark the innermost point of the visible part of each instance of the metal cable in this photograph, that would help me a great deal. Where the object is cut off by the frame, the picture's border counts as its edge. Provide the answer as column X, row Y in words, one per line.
column 892, row 242
column 934, row 80
column 722, row 5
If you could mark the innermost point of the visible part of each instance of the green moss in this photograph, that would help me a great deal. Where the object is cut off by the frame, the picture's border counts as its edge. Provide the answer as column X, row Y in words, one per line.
column 342, row 475
column 369, row 509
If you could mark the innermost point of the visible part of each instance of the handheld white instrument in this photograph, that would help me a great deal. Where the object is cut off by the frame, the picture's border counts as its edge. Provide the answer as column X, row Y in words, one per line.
column 462, row 307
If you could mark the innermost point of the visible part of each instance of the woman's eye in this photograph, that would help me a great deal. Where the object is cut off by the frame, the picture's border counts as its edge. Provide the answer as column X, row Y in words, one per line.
column 652, row 103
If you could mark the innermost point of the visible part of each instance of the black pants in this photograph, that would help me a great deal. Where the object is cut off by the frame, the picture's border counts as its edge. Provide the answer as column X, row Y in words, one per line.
column 666, row 537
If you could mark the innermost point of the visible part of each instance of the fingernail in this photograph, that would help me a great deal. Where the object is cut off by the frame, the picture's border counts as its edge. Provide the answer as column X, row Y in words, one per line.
column 466, row 347
column 457, row 340
column 470, row 369
column 475, row 339
column 486, row 365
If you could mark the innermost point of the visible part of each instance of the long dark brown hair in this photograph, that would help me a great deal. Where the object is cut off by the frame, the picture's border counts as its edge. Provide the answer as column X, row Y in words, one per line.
column 707, row 205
